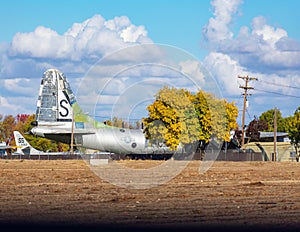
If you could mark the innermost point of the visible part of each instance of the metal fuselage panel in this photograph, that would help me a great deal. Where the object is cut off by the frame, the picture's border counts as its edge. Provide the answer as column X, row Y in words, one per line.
column 116, row 140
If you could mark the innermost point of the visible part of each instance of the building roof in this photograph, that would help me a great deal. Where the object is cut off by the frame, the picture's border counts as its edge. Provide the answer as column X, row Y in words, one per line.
column 271, row 134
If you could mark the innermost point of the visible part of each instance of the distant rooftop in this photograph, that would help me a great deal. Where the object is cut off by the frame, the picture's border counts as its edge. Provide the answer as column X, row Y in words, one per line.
column 271, row 134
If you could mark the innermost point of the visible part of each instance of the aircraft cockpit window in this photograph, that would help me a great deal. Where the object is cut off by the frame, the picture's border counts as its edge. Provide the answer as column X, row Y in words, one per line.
column 122, row 130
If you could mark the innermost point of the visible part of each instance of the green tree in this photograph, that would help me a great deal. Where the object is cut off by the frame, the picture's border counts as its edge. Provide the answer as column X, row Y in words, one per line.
column 27, row 124
column 43, row 144
column 294, row 130
column 7, row 127
column 268, row 116
column 117, row 122
column 156, row 131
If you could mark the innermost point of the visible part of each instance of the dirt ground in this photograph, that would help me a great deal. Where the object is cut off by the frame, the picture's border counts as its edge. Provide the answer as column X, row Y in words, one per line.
column 244, row 195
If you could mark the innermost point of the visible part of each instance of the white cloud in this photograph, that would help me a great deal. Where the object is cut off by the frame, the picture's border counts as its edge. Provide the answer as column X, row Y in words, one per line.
column 269, row 34
column 192, row 68
column 267, row 45
column 90, row 39
column 261, row 47
column 18, row 95
column 118, row 23
column 75, row 51
column 41, row 43
column 218, row 27
column 16, row 105
column 261, row 50
column 133, row 33
column 5, row 104
column 226, row 70
column 21, row 86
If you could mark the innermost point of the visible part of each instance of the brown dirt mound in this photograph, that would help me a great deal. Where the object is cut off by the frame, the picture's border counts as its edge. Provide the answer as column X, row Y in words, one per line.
column 246, row 194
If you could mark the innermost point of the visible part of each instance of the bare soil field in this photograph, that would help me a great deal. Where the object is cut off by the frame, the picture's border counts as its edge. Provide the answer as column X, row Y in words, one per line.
column 232, row 195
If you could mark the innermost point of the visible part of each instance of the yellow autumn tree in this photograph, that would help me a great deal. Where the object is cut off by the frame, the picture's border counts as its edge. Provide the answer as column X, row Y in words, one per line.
column 179, row 117
column 232, row 113
column 201, row 103
column 172, row 118
column 216, row 116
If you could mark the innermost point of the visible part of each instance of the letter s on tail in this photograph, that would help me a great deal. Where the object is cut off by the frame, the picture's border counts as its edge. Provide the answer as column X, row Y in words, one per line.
column 55, row 100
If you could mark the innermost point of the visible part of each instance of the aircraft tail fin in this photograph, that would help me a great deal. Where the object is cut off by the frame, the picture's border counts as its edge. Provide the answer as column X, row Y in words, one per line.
column 57, row 105
column 23, row 145
column 54, row 105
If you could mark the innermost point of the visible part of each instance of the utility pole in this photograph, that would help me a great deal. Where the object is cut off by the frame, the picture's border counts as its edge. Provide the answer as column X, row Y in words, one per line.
column 72, row 135
column 246, row 87
column 275, row 134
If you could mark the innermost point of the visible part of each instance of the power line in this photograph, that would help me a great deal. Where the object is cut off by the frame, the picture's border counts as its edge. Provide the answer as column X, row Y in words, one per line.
column 248, row 114
column 280, row 85
column 281, row 94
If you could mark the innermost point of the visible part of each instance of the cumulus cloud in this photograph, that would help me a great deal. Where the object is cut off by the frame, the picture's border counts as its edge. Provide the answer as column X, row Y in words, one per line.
column 258, row 49
column 217, row 28
column 5, row 104
column 226, row 70
column 92, row 39
column 12, row 106
column 31, row 53
column 267, row 33
column 21, row 86
column 192, row 68
column 42, row 42
column 133, row 33
column 266, row 48
column 74, row 51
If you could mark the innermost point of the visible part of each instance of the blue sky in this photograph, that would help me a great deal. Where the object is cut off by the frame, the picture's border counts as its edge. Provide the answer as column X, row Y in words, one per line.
column 166, row 21
column 250, row 37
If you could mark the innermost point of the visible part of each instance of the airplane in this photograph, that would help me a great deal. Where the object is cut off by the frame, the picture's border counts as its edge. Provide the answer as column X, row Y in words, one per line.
column 59, row 117
column 24, row 147
column 7, row 150
column 4, row 148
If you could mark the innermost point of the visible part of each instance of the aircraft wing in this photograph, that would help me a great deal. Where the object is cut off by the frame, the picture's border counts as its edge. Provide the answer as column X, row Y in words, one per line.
column 9, row 147
column 41, row 130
